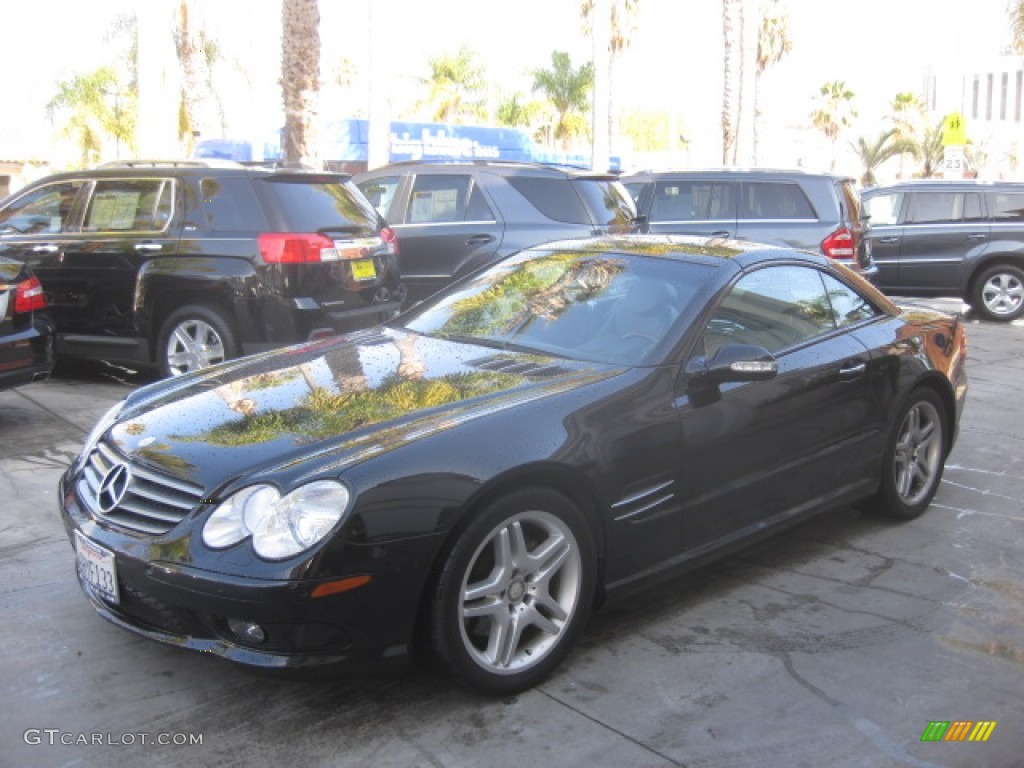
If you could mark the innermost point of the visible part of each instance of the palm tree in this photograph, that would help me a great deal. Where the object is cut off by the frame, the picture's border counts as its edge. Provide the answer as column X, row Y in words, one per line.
column 83, row 102
column 300, row 78
column 456, row 83
column 567, row 89
column 1017, row 24
column 907, row 113
column 196, row 53
column 623, row 27
column 732, row 26
column 773, row 43
column 874, row 152
column 833, row 112
column 931, row 151
column 513, row 112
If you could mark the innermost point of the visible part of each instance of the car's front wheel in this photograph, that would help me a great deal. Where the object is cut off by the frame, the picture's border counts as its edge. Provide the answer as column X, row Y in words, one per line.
column 914, row 458
column 999, row 293
column 193, row 337
column 515, row 590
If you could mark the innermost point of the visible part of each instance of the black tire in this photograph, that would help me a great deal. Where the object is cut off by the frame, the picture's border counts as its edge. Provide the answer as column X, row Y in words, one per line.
column 915, row 456
column 515, row 591
column 998, row 293
column 194, row 337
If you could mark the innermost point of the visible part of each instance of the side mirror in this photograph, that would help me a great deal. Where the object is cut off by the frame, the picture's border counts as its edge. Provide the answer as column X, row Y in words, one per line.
column 734, row 363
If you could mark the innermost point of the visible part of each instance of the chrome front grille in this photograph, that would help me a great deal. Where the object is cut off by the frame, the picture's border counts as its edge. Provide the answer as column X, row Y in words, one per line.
column 151, row 503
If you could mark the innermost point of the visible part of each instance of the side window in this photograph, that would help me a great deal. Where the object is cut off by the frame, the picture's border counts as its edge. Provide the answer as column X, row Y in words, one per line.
column 136, row 205
column 972, row 207
column 775, row 200
column 477, row 209
column 554, row 198
column 1007, row 206
column 693, row 201
column 380, row 192
column 775, row 308
column 228, row 205
column 41, row 211
column 884, row 210
column 438, row 199
column 848, row 306
column 935, row 207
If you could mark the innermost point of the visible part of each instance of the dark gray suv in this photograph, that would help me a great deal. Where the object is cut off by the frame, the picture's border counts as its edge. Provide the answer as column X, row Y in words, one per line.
column 452, row 219
column 812, row 211
column 951, row 238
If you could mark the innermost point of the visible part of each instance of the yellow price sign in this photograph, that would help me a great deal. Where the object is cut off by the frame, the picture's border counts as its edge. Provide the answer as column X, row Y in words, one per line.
column 954, row 130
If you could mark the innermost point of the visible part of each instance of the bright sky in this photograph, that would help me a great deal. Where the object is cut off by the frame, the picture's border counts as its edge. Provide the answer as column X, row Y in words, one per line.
column 879, row 47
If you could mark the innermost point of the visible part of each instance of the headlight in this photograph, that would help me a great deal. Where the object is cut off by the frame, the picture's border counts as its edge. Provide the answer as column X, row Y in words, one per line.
column 280, row 526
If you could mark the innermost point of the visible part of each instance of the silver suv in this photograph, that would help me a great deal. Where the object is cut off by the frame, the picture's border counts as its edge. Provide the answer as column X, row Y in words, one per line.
column 951, row 238
column 812, row 211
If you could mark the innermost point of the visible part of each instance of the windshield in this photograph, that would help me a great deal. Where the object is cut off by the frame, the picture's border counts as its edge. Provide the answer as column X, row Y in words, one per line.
column 604, row 307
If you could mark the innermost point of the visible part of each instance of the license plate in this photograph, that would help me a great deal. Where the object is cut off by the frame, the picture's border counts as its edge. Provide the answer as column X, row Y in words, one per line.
column 363, row 269
column 97, row 569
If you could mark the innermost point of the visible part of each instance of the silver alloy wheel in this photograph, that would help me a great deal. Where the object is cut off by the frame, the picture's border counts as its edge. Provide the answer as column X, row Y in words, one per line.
column 520, row 592
column 1002, row 293
column 918, row 455
column 193, row 344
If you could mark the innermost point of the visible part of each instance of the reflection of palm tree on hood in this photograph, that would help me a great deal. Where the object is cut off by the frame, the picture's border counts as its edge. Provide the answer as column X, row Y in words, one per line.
column 346, row 368
column 410, row 363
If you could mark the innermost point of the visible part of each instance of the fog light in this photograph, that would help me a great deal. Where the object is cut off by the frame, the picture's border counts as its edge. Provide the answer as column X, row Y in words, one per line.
column 247, row 631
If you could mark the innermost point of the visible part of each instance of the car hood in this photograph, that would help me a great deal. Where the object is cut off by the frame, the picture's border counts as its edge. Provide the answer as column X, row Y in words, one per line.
column 335, row 403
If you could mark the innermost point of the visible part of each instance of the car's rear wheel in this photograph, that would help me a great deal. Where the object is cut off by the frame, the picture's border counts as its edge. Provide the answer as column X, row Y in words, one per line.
column 999, row 293
column 515, row 591
column 194, row 337
column 914, row 458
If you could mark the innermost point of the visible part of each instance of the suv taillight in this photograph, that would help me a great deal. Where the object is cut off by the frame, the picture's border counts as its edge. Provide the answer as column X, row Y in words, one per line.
column 29, row 295
column 841, row 245
column 290, row 248
column 387, row 234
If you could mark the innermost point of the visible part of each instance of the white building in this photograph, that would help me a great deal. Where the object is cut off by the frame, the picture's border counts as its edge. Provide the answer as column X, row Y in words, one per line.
column 990, row 96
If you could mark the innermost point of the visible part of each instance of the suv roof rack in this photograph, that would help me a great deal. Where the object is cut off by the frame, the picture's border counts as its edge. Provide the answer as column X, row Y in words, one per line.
column 192, row 163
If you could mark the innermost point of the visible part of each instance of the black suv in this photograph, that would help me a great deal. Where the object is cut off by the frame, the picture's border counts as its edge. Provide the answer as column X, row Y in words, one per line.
column 813, row 211
column 452, row 219
column 186, row 264
column 951, row 238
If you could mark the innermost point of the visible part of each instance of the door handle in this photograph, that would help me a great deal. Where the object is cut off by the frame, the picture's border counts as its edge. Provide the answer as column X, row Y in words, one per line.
column 721, row 233
column 977, row 237
column 888, row 240
column 852, row 371
column 148, row 247
column 49, row 248
column 480, row 239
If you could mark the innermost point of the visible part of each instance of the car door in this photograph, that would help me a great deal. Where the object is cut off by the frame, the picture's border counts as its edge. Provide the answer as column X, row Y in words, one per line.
column 755, row 453
column 693, row 206
column 941, row 231
column 35, row 228
column 126, row 222
column 447, row 224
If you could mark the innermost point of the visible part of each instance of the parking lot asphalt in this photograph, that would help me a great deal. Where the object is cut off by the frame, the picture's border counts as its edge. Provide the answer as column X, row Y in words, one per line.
column 836, row 643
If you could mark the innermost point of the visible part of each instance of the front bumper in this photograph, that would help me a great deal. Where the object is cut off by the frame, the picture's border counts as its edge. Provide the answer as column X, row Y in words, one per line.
column 183, row 605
